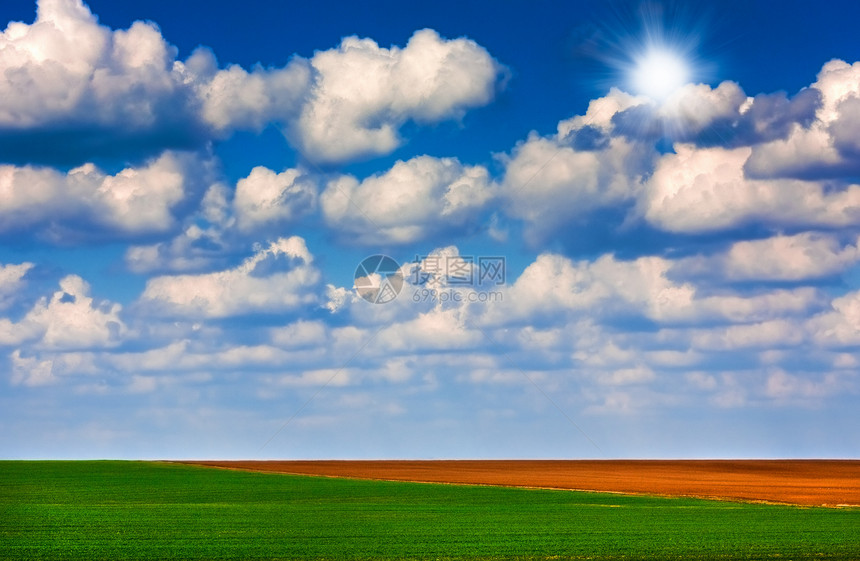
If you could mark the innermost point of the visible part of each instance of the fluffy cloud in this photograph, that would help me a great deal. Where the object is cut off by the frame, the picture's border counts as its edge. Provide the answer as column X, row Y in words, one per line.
column 824, row 149
column 554, row 285
column 351, row 101
column 802, row 256
column 600, row 113
column 437, row 329
column 413, row 200
column 701, row 190
column 783, row 386
column 70, row 319
column 686, row 114
column 11, row 281
column 723, row 171
column 572, row 313
column 550, row 182
column 30, row 371
column 67, row 77
column 547, row 183
column 601, row 169
column 363, row 93
column 195, row 248
column 409, row 202
column 227, row 218
column 770, row 334
column 300, row 334
column 844, row 128
column 204, row 240
column 123, row 92
column 839, row 326
column 275, row 279
column 266, row 197
column 137, row 200
column 234, row 98
column 698, row 107
column 721, row 116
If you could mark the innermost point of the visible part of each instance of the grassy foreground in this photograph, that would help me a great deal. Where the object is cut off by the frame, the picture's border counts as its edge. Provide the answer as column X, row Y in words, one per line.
column 139, row 510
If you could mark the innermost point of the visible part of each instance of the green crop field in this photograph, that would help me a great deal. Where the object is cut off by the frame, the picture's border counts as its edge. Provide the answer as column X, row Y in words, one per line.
column 141, row 510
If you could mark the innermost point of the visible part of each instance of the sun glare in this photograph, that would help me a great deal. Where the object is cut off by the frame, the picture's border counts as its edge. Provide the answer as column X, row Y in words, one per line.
column 659, row 72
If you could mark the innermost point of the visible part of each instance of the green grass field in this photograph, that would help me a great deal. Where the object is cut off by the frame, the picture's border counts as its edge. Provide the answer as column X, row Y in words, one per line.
column 140, row 510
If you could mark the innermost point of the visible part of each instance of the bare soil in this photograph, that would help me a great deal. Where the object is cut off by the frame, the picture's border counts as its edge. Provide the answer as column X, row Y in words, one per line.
column 802, row 482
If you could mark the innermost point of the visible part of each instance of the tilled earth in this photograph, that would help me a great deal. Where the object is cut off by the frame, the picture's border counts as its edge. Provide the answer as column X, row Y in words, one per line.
column 803, row 482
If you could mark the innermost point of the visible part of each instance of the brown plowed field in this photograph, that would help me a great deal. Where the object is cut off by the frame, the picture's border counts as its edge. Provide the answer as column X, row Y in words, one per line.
column 805, row 482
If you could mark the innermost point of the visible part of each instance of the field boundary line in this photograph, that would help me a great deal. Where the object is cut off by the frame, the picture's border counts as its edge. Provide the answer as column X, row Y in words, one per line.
column 715, row 498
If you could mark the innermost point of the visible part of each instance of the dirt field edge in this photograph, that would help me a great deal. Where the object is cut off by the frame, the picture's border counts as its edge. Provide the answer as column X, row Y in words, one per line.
column 829, row 483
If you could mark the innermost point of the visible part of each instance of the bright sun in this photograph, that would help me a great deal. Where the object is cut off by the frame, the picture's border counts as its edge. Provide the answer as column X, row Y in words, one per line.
column 658, row 72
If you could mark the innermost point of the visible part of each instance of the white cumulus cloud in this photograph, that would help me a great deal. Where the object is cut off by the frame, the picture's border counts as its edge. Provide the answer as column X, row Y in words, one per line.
column 11, row 281
column 822, row 149
column 66, row 73
column 554, row 285
column 276, row 278
column 266, row 197
column 801, row 256
column 362, row 93
column 69, row 319
column 706, row 189
column 137, row 200
column 412, row 200
column 798, row 257
column 839, row 326
column 124, row 91
column 552, row 181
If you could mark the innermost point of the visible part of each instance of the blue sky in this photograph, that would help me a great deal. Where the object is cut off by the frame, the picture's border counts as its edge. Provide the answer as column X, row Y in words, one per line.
column 187, row 190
